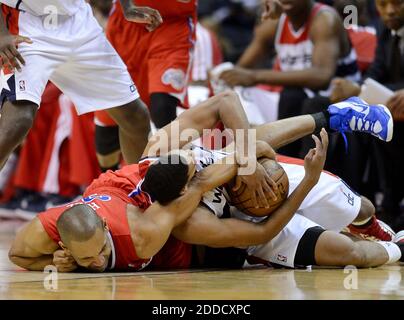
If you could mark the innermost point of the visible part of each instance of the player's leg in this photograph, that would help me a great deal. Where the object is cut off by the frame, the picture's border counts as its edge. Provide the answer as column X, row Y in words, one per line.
column 367, row 225
column 134, row 128
column 21, row 91
column 163, row 108
column 341, row 117
column 107, row 145
column 97, row 79
column 303, row 242
column 345, row 207
column 169, row 65
column 16, row 120
column 335, row 249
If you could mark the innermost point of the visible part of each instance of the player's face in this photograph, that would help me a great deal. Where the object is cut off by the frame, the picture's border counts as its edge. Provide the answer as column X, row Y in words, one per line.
column 391, row 12
column 293, row 7
column 94, row 253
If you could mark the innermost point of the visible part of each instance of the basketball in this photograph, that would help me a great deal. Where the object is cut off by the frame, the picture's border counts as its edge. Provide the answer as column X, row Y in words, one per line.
column 241, row 198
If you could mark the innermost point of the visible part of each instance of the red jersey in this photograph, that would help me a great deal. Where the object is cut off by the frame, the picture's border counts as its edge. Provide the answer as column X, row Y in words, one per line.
column 108, row 196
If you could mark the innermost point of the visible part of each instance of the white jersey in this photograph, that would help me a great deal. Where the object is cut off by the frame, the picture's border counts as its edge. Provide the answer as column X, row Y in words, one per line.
column 46, row 7
column 215, row 200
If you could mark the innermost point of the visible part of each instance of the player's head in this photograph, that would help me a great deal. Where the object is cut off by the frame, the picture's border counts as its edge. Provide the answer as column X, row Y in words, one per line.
column 294, row 7
column 167, row 178
column 391, row 12
column 85, row 236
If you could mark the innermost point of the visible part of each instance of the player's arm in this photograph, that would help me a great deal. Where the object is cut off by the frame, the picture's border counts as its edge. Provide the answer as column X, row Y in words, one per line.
column 148, row 16
column 204, row 228
column 264, row 36
column 326, row 50
column 225, row 107
column 151, row 229
column 32, row 249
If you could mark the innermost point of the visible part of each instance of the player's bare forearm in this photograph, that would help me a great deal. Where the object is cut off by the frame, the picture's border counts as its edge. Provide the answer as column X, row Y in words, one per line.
column 313, row 78
column 32, row 264
column 203, row 228
column 264, row 35
column 282, row 132
column 216, row 174
column 281, row 216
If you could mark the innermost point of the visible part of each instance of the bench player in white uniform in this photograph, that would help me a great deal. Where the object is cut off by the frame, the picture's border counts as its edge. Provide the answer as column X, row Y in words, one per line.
column 61, row 41
column 312, row 236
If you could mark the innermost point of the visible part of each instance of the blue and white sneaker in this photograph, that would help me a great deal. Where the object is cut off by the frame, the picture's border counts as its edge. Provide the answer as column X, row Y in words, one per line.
column 354, row 114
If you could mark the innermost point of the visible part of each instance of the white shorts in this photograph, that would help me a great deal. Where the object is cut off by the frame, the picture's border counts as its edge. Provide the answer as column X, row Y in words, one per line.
column 331, row 203
column 73, row 53
column 281, row 250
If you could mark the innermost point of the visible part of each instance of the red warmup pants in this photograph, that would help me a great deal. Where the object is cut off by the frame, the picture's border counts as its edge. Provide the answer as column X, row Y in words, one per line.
column 158, row 61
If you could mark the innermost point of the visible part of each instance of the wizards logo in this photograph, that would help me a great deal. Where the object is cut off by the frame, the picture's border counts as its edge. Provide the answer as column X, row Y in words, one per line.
column 7, row 84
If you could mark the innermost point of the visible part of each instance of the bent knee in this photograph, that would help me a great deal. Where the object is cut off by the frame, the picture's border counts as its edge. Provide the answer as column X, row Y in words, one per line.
column 367, row 209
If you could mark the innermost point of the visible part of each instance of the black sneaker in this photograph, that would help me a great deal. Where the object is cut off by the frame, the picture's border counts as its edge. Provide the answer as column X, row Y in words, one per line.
column 31, row 205
column 8, row 209
column 37, row 203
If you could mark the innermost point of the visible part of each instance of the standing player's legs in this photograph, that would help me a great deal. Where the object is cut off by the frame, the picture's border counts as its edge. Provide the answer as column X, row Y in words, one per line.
column 102, row 82
column 21, row 92
column 16, row 120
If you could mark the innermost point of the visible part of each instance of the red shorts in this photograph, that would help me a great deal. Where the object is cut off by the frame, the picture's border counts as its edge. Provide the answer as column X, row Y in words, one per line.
column 158, row 61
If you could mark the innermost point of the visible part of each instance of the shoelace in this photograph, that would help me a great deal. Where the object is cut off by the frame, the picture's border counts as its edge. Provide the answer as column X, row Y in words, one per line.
column 345, row 127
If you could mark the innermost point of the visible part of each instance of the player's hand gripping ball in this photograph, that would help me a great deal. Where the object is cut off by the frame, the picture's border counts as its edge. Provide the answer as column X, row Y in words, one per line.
column 242, row 200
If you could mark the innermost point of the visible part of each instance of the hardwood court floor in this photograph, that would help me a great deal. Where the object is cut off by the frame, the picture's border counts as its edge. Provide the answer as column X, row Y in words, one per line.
column 255, row 283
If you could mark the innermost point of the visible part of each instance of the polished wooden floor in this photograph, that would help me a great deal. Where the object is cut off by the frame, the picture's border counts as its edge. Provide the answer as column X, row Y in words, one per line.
column 251, row 283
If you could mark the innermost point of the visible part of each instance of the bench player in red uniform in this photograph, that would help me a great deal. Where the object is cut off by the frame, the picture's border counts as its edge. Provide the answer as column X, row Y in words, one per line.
column 159, row 62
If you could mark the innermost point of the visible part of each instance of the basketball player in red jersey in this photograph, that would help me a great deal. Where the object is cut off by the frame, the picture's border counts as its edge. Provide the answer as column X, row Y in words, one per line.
column 132, row 218
column 132, row 241
column 159, row 62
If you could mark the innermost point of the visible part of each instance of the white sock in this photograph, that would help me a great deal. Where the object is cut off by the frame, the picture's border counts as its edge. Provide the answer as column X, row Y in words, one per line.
column 393, row 251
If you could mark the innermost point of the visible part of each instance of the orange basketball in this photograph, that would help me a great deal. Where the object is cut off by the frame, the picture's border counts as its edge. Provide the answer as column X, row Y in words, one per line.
column 242, row 200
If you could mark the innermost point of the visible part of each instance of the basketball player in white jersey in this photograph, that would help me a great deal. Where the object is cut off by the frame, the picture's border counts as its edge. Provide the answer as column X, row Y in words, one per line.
column 60, row 41
column 312, row 236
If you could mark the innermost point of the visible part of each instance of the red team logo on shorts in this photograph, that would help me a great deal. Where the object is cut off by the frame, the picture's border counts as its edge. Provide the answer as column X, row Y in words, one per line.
column 22, row 85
